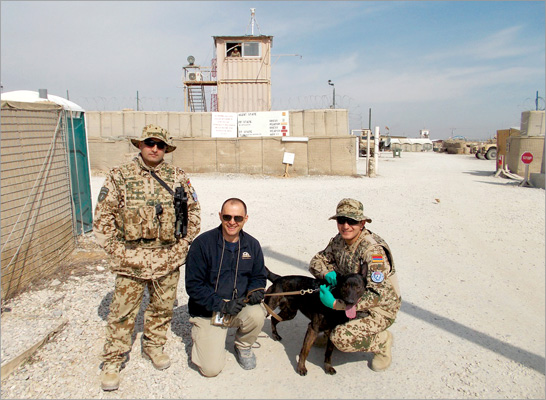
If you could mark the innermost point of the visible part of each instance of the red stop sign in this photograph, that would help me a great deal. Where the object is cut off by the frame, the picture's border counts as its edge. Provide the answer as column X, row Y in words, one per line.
column 527, row 157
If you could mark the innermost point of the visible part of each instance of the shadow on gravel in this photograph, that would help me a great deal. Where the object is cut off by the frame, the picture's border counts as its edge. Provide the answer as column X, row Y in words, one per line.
column 503, row 183
column 480, row 173
column 507, row 350
column 294, row 341
column 268, row 252
column 293, row 333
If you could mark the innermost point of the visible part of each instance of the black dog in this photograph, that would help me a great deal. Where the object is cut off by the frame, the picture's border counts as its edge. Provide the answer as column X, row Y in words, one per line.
column 349, row 288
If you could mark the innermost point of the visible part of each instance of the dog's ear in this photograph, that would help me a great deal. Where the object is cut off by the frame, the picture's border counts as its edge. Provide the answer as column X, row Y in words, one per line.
column 363, row 268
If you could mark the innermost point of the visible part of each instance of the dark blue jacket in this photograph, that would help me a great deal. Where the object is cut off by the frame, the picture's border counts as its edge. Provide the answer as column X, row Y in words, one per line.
column 202, row 267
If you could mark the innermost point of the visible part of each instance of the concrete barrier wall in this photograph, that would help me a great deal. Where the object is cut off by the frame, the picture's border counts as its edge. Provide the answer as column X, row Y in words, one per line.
column 330, row 150
column 259, row 155
column 518, row 145
column 115, row 124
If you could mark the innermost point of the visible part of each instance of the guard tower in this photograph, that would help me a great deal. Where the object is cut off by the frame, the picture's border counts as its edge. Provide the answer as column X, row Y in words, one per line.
column 239, row 79
column 196, row 80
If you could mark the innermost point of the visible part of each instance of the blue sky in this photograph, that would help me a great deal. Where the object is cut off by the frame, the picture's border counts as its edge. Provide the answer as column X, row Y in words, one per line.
column 462, row 68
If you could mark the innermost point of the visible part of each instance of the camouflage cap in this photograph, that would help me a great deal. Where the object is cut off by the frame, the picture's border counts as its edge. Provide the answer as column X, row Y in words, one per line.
column 156, row 132
column 351, row 208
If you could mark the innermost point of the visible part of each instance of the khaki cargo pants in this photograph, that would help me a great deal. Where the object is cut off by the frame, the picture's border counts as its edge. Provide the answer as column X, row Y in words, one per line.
column 124, row 308
column 209, row 341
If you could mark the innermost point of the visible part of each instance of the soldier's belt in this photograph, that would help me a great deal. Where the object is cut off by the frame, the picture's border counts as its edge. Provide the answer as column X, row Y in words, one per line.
column 147, row 244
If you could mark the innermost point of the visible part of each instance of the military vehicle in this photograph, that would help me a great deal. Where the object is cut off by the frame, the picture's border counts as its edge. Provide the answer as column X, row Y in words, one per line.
column 487, row 151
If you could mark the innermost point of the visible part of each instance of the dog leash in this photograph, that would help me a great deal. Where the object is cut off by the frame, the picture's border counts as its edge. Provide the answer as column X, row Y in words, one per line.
column 295, row 292
column 269, row 310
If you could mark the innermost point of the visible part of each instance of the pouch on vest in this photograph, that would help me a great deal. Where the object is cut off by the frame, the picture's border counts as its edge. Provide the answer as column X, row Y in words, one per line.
column 132, row 224
column 166, row 225
column 150, row 224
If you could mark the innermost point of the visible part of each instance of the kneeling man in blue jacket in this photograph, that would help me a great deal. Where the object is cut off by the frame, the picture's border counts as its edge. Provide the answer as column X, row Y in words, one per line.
column 225, row 280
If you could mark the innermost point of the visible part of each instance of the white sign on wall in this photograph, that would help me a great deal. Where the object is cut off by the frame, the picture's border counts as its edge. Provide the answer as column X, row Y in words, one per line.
column 223, row 125
column 288, row 158
column 265, row 123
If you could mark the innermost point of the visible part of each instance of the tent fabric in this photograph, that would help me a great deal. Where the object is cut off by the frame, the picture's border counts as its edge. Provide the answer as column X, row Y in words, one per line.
column 29, row 96
column 23, row 105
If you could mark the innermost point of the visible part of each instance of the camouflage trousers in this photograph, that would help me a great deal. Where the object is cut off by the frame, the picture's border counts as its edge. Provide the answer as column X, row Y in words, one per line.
column 363, row 334
column 124, row 308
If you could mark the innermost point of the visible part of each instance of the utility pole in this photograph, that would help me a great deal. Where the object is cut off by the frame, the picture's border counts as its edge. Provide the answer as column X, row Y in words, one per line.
column 137, row 107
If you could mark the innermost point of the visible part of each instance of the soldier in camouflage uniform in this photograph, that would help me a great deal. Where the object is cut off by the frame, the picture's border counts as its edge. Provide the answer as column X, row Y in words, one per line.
column 135, row 224
column 353, row 248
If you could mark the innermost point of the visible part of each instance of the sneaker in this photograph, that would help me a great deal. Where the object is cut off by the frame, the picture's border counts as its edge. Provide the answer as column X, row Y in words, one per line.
column 245, row 358
column 110, row 376
column 159, row 359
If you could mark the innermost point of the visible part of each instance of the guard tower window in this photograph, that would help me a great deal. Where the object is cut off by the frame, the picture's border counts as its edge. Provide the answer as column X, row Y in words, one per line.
column 251, row 49
column 248, row 49
column 233, row 49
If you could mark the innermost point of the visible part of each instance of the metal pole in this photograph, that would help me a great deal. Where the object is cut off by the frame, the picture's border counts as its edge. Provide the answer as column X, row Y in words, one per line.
column 334, row 97
column 376, row 149
column 137, row 101
column 370, row 120
column 368, row 154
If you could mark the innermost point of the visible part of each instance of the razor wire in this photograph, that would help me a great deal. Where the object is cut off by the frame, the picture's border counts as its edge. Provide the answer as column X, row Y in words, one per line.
column 148, row 103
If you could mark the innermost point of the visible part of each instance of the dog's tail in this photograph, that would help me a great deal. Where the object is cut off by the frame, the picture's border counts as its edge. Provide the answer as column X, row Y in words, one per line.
column 271, row 276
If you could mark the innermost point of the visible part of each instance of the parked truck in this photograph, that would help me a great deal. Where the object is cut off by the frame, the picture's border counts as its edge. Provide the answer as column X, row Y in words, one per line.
column 487, row 150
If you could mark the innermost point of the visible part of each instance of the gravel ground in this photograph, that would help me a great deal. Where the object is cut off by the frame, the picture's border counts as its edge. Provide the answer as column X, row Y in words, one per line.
column 469, row 249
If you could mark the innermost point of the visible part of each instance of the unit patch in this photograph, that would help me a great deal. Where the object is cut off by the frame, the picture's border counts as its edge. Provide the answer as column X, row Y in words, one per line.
column 377, row 276
column 103, row 193
column 246, row 256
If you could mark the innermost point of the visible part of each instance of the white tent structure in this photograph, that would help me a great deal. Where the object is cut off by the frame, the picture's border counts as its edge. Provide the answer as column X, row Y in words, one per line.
column 29, row 96
column 409, row 144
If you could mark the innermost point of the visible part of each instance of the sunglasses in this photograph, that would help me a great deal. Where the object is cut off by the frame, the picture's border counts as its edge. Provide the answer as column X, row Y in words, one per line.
column 237, row 218
column 343, row 220
column 151, row 143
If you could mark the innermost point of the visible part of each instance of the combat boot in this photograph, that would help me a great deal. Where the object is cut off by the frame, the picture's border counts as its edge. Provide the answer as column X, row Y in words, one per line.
column 109, row 378
column 159, row 359
column 382, row 359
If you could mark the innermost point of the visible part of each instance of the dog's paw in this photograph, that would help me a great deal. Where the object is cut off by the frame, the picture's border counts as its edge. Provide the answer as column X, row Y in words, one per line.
column 330, row 370
column 302, row 371
column 276, row 337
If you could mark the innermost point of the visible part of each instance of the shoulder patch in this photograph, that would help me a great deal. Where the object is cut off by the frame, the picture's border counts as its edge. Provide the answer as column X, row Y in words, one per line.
column 377, row 276
column 103, row 193
column 377, row 258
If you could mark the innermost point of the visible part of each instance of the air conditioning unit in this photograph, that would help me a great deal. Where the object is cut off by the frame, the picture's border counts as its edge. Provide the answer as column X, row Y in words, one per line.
column 194, row 76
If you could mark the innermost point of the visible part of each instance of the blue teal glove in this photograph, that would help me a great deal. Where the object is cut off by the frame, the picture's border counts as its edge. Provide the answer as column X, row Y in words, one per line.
column 326, row 296
column 331, row 278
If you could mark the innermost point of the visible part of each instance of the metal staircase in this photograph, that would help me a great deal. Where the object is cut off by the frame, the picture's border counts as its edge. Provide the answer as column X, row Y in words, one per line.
column 196, row 98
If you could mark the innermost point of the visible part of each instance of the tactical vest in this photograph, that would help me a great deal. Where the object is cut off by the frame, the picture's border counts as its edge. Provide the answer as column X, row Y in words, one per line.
column 148, row 218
